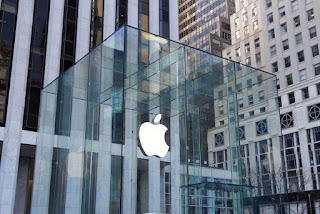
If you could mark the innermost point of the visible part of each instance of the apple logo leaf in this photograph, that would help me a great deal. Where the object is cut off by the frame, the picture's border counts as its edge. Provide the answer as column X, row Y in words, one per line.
column 157, row 118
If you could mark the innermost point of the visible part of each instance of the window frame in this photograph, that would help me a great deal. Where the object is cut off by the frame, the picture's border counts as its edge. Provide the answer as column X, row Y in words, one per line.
column 291, row 99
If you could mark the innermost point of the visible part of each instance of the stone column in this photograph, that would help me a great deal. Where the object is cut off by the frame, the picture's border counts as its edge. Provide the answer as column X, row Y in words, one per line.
column 109, row 18
column 173, row 20
column 105, row 137
column 133, row 11
column 83, row 29
column 129, row 176
column 75, row 156
column 22, row 186
column 299, row 114
column 104, row 160
column 44, row 153
column 154, row 185
column 15, row 108
column 175, row 148
column 78, row 118
column 154, row 162
column 54, row 39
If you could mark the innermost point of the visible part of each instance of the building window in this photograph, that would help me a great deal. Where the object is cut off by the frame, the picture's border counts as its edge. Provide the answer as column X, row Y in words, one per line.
column 283, row 28
column 238, row 52
column 261, row 96
column 286, row 120
column 262, row 127
column 144, row 15
column 312, row 32
column 254, row 11
column 226, row 36
column 270, row 18
column 291, row 98
column 314, row 112
column 221, row 122
column 285, row 44
column 245, row 17
column 300, row 55
column 263, row 110
column 271, row 34
column 305, row 93
column 289, row 79
column 96, row 26
column 236, row 22
column 296, row 21
column 8, row 16
column 237, row 34
column 121, row 13
column 258, row 57
column 315, row 50
column 257, row 43
column 219, row 139
column 294, row 5
column 164, row 19
column 282, row 11
column 310, row 14
column 250, row 99
column 240, row 103
column 246, row 29
column 220, row 94
column 69, row 35
column 317, row 69
column 242, row 133
column 255, row 25
column 251, row 113
column 249, row 83
column 274, row 66
column 221, row 111
column 36, row 64
column 303, row 74
column 268, row 3
column 273, row 50
column 241, row 116
column 259, row 79
column 287, row 62
column 298, row 39
column 247, row 48
column 248, row 60
column 279, row 102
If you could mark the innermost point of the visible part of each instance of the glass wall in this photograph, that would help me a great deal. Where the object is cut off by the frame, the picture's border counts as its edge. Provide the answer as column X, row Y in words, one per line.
column 170, row 130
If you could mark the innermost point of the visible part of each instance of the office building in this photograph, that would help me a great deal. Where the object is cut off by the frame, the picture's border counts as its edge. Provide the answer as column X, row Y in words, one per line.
column 199, row 19
column 282, row 37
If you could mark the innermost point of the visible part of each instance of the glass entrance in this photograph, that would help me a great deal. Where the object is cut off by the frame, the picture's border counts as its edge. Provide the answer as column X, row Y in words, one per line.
column 143, row 124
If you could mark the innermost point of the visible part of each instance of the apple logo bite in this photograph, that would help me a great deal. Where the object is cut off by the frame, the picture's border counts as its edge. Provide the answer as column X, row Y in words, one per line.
column 151, row 137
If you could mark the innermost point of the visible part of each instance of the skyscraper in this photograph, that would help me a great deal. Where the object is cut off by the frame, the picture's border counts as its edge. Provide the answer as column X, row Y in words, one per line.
column 282, row 37
column 205, row 24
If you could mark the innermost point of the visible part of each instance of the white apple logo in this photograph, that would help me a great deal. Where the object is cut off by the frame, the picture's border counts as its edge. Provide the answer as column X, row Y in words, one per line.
column 152, row 138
